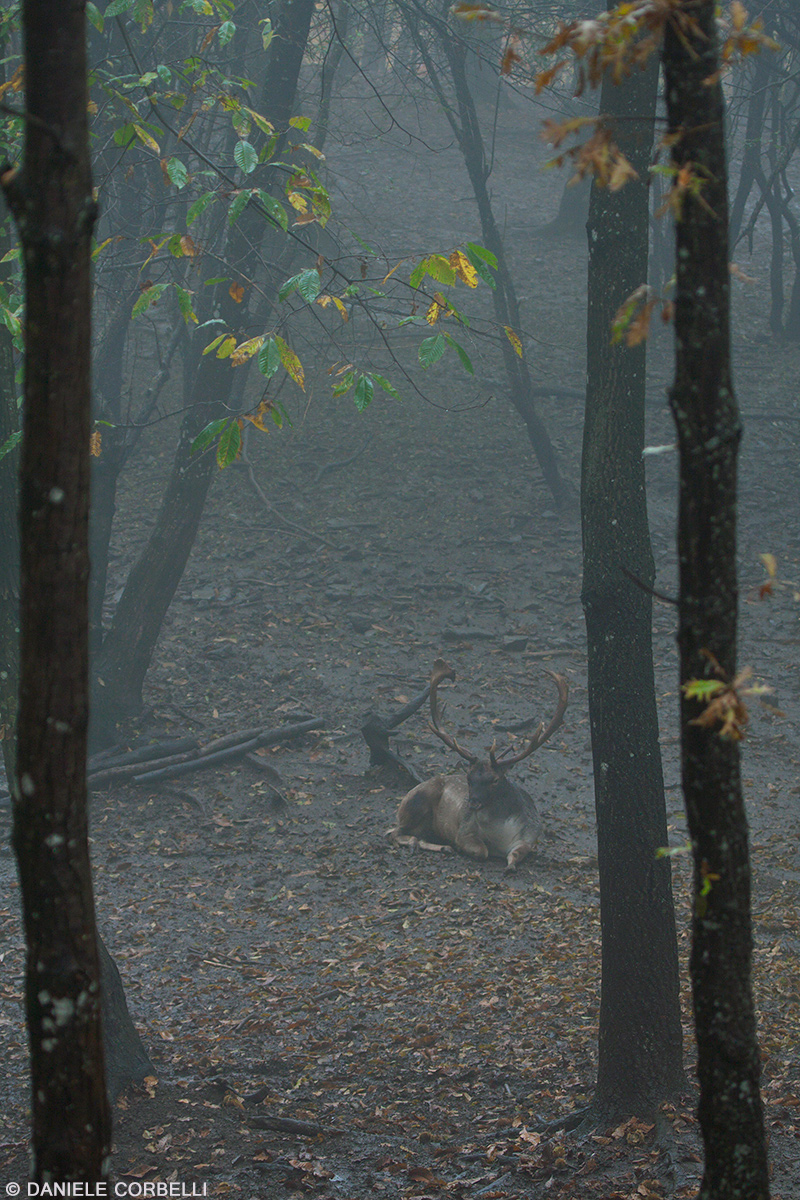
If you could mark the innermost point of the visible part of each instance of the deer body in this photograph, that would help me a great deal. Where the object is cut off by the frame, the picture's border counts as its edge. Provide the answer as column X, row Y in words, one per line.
column 440, row 811
column 482, row 813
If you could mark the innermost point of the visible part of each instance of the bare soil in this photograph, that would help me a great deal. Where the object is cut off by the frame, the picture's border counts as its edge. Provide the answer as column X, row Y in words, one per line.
column 424, row 1015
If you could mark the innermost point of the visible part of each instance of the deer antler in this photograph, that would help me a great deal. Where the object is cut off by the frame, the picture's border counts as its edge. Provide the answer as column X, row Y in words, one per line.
column 541, row 735
column 441, row 671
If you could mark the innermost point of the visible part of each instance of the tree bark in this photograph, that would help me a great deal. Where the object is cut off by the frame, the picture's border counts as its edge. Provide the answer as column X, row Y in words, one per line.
column 51, row 200
column 9, row 546
column 707, row 421
column 640, row 1044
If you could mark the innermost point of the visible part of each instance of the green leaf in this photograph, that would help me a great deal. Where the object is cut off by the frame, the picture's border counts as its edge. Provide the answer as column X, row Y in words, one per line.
column 269, row 358
column 309, row 284
column 275, row 210
column 143, row 13
column 206, row 436
column 482, row 269
column 226, row 31
column 11, row 321
column 300, row 123
column 117, row 7
column 280, row 411
column 213, row 345
column 149, row 298
column 9, row 444
column 461, row 352
column 266, row 33
column 200, row 206
column 185, row 304
column 125, row 135
column 230, row 445
column 178, row 174
column 439, row 269
column 387, row 386
column 473, row 248
column 364, row 392
column 431, row 350
column 418, row 274
column 94, row 15
column 238, row 206
column 344, row 384
column 245, row 156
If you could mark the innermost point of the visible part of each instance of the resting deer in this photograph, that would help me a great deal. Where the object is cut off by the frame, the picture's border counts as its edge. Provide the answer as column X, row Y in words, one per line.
column 481, row 813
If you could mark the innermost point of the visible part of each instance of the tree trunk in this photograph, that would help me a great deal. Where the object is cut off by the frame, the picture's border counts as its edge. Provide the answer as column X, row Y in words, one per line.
column 640, row 1043
column 708, row 427
column 52, row 203
column 9, row 547
column 751, row 158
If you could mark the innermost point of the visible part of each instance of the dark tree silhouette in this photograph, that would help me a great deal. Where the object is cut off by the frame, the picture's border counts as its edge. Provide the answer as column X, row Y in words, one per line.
column 708, row 427
column 51, row 199
column 640, row 1044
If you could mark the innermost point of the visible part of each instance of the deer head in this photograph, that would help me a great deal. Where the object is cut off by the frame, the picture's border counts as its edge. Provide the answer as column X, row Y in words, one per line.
column 486, row 778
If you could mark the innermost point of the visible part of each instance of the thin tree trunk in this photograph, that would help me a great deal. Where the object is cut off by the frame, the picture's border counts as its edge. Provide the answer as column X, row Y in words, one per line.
column 640, row 1046
column 130, row 642
column 51, row 199
column 708, row 427
column 466, row 127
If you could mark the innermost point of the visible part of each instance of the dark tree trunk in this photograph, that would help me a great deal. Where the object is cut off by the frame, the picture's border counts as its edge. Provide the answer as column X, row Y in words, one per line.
column 9, row 547
column 52, row 203
column 708, row 427
column 640, row 1029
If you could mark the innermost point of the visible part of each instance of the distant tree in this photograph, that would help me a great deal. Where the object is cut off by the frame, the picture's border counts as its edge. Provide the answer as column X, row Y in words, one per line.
column 51, row 200
column 127, row 649
column 450, row 63
column 640, row 1037
column 708, row 426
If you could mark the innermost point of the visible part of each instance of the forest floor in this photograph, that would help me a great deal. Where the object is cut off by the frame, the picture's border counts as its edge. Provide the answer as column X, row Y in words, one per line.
column 425, row 1015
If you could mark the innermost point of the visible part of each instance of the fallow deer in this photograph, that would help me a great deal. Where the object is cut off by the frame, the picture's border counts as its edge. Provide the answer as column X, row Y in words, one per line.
column 481, row 812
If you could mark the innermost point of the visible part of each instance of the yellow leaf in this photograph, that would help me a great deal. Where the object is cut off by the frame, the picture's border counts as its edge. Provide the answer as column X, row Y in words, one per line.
column 291, row 363
column 514, row 339
column 227, row 347
column 738, row 15
column 246, row 350
column 432, row 315
column 770, row 564
column 344, row 314
column 236, row 292
column 14, row 83
column 463, row 268
column 95, row 444
column 145, row 137
column 257, row 418
column 187, row 246
column 298, row 201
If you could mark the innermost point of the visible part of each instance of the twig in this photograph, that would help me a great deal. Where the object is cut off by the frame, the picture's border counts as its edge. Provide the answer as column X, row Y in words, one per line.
column 329, row 468
column 279, row 517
